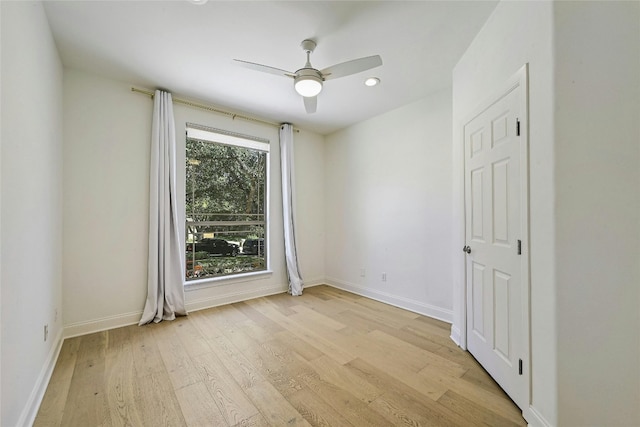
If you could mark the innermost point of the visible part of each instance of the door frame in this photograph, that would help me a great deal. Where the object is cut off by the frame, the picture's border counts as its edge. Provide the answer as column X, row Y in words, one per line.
column 519, row 81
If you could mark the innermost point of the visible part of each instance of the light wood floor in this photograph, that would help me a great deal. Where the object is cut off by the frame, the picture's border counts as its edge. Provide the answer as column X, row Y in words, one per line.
column 326, row 358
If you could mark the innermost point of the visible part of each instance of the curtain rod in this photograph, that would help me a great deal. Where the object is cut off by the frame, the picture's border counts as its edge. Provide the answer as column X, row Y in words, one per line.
column 188, row 103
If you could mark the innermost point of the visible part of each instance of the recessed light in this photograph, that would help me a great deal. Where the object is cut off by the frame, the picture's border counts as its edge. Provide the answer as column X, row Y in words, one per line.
column 198, row 1
column 372, row 81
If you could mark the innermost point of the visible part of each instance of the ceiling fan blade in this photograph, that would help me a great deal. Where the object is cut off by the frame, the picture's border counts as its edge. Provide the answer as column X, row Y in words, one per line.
column 310, row 104
column 265, row 68
column 351, row 67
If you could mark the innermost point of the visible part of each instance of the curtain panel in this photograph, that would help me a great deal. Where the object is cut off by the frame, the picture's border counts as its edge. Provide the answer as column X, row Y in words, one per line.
column 288, row 211
column 165, row 293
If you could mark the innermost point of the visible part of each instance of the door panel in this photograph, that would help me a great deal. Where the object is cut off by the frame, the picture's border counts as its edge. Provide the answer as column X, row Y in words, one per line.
column 493, row 227
column 477, row 278
column 477, row 212
column 500, row 203
column 502, row 321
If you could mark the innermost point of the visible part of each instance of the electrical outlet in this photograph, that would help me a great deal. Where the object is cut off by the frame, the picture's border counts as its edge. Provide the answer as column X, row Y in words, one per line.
column 384, row 277
column 363, row 272
column 46, row 332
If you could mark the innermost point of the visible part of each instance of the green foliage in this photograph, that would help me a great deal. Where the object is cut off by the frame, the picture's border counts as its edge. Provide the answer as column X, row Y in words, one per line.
column 223, row 179
column 197, row 255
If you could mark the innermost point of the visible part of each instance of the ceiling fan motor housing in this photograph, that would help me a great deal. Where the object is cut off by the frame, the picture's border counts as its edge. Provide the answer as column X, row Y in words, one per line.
column 308, row 82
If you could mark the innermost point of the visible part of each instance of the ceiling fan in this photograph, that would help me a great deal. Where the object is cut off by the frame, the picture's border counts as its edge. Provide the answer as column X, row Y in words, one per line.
column 307, row 81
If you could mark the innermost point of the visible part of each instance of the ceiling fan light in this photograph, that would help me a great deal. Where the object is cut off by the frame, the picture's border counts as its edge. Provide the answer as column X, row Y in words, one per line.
column 308, row 86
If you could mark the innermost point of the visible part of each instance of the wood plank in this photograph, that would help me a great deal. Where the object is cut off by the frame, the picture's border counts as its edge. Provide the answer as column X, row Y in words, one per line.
column 446, row 327
column 156, row 401
column 350, row 407
column 401, row 411
column 120, row 379
column 380, row 316
column 477, row 376
column 205, row 322
column 300, row 346
column 192, row 340
column 336, row 293
column 403, row 400
column 256, row 331
column 428, row 326
column 457, row 355
column 55, row 398
column 332, row 372
column 259, row 318
column 178, row 364
column 233, row 403
column 285, row 367
column 332, row 307
column 424, row 332
column 273, row 406
column 303, row 332
column 389, row 309
column 279, row 303
column 198, row 406
column 256, row 421
column 391, row 361
column 315, row 410
column 240, row 368
column 317, row 292
column 146, row 354
column 86, row 401
column 472, row 411
column 315, row 317
column 365, row 323
column 480, row 396
column 284, row 301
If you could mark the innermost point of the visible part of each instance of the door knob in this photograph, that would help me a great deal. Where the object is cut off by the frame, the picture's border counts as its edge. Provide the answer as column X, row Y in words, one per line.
column 466, row 249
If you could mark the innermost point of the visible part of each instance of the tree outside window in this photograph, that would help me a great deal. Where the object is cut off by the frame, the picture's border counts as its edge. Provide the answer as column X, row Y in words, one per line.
column 226, row 193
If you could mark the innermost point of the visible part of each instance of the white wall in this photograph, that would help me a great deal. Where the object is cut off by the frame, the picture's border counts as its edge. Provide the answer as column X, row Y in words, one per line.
column 106, row 179
column 597, row 152
column 31, row 218
column 515, row 34
column 388, row 207
column 106, row 153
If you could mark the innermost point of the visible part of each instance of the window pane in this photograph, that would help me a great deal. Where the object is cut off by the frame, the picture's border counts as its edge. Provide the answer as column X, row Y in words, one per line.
column 225, row 209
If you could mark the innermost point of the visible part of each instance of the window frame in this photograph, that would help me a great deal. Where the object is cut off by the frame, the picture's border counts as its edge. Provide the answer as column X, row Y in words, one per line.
column 224, row 137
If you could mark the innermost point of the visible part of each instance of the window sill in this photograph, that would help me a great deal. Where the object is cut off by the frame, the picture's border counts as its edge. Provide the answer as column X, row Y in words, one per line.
column 193, row 285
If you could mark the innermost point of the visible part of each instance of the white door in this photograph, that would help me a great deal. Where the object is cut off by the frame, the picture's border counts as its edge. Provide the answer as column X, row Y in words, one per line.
column 493, row 207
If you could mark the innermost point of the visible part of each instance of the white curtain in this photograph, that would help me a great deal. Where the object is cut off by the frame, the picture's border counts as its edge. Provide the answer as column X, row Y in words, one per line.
column 288, row 193
column 165, row 294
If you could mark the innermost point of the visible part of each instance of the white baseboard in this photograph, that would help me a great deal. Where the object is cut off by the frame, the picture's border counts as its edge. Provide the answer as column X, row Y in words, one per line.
column 395, row 300
column 456, row 336
column 232, row 297
column 30, row 411
column 101, row 324
column 534, row 418
column 309, row 283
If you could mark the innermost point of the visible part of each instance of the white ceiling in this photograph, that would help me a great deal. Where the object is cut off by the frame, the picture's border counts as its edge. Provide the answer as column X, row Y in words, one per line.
column 189, row 49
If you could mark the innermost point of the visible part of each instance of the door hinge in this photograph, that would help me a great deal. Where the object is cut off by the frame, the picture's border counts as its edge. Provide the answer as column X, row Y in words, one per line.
column 517, row 127
column 519, row 366
column 519, row 247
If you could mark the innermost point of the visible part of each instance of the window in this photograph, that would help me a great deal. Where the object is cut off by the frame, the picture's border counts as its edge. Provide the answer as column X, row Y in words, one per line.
column 226, row 189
